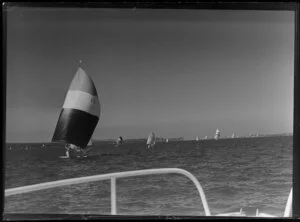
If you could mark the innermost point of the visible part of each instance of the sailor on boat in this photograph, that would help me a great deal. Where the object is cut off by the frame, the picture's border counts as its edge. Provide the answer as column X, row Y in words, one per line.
column 67, row 148
column 76, row 149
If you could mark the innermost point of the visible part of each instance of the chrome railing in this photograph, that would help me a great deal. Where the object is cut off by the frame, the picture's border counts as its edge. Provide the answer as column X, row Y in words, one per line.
column 112, row 177
column 288, row 206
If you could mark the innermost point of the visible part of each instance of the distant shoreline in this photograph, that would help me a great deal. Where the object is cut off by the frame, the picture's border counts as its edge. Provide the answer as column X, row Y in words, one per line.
column 169, row 139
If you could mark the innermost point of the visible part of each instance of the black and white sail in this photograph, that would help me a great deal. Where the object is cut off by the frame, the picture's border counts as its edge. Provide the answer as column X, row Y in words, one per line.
column 80, row 112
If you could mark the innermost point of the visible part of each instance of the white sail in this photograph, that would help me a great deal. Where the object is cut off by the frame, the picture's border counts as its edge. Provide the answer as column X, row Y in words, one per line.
column 217, row 135
column 151, row 140
column 90, row 143
column 119, row 141
column 197, row 138
column 233, row 135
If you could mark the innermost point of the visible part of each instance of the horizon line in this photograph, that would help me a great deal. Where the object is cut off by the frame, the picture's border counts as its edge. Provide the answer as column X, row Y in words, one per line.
column 211, row 137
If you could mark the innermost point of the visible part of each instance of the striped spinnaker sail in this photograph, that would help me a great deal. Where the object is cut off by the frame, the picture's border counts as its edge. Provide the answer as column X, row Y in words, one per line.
column 80, row 112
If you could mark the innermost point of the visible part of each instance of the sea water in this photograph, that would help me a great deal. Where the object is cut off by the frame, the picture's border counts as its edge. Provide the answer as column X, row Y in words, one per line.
column 246, row 173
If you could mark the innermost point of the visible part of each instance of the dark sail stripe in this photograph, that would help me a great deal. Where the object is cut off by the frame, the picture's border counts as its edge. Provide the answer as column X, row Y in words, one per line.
column 75, row 127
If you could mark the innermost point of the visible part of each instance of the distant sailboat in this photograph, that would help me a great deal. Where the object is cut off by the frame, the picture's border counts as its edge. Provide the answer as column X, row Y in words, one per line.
column 217, row 135
column 205, row 138
column 119, row 141
column 151, row 140
column 79, row 115
column 167, row 140
column 197, row 138
column 233, row 135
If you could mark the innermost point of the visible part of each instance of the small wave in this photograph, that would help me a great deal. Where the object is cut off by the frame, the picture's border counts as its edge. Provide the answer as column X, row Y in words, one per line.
column 111, row 154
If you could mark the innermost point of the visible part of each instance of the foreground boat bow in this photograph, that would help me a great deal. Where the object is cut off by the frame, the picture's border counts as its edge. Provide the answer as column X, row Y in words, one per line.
column 114, row 176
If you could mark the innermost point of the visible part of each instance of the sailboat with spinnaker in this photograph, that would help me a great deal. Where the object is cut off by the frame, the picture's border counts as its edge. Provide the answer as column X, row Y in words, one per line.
column 79, row 116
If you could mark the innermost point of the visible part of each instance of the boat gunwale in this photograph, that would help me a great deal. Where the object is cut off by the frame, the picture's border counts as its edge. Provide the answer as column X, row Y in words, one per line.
column 112, row 177
column 126, row 174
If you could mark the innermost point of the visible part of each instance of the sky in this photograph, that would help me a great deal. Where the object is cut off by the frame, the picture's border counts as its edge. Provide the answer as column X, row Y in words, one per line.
column 178, row 73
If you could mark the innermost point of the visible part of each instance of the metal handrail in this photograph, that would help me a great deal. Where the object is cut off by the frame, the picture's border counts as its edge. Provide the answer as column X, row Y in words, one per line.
column 288, row 207
column 112, row 177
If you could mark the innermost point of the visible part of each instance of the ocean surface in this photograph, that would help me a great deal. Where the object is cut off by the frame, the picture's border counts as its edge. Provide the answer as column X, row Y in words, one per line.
column 246, row 173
